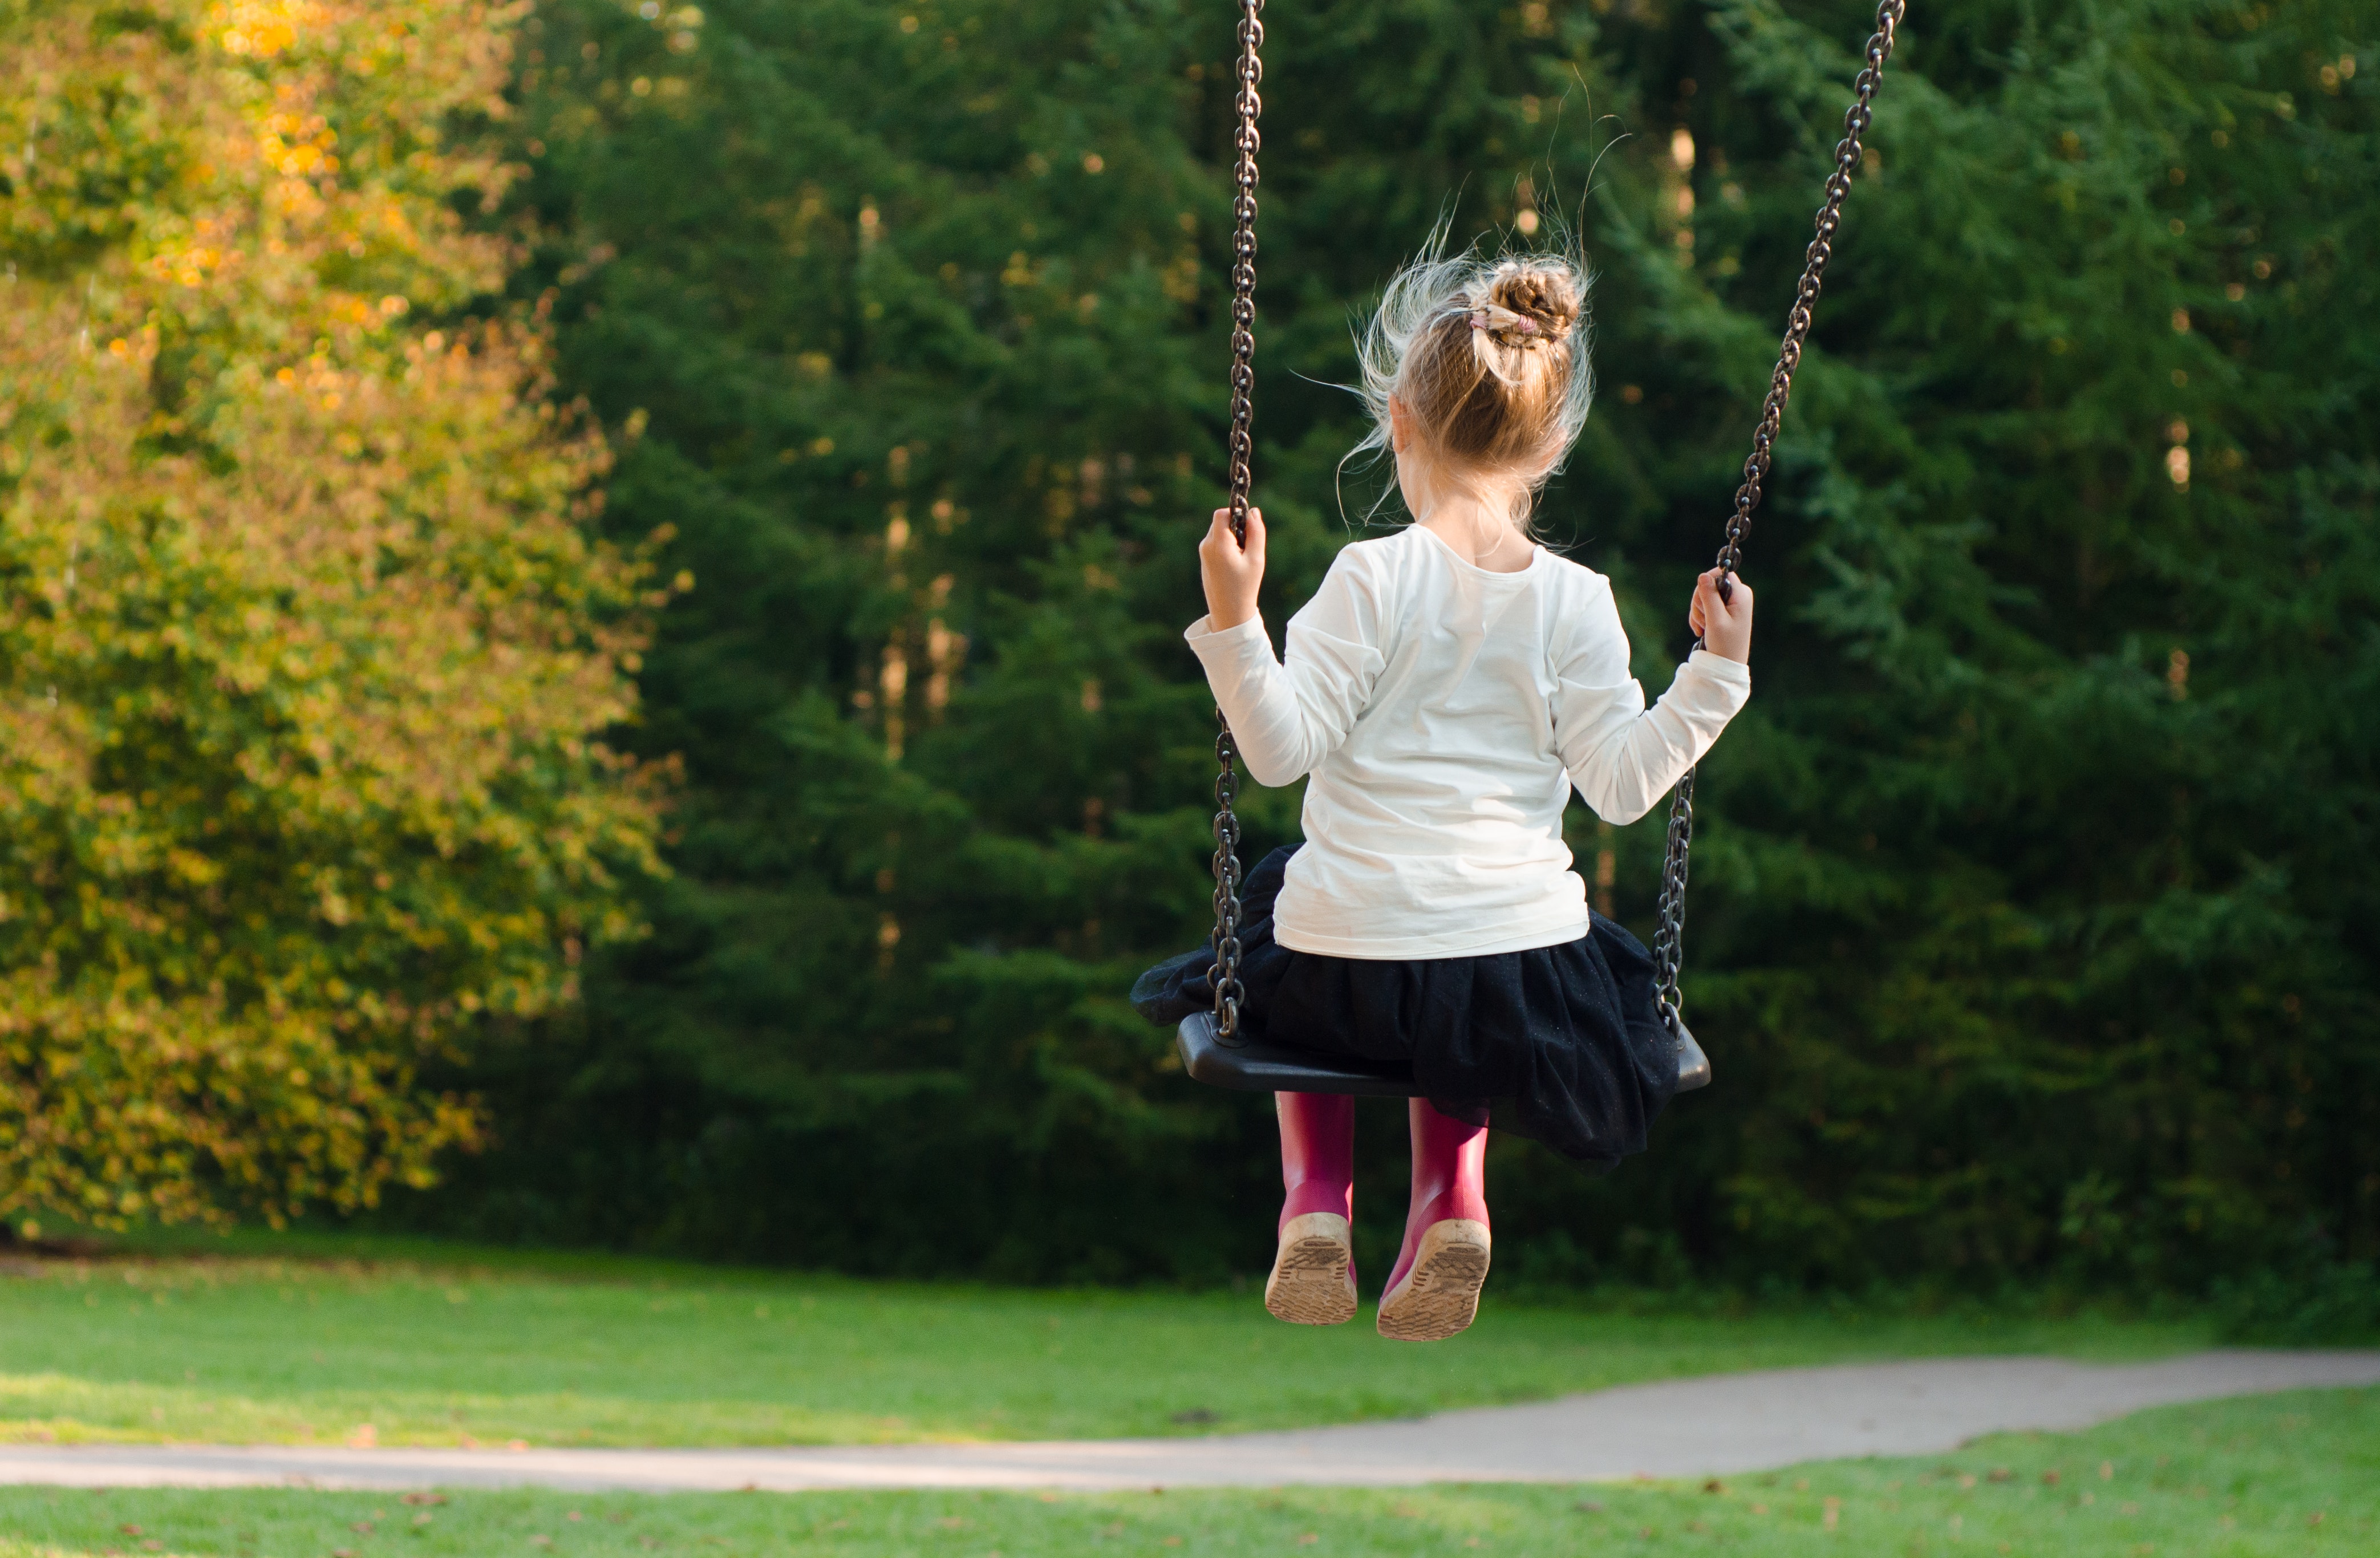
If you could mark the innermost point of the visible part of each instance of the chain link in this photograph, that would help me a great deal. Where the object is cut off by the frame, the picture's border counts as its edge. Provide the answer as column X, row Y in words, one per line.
column 1669, row 942
column 1225, row 973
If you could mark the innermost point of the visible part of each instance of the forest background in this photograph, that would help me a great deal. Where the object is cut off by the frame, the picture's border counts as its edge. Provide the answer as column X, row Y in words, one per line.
column 748, row 750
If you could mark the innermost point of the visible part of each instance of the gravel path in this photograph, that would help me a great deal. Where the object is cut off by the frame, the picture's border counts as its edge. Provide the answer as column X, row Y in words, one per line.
column 1680, row 1427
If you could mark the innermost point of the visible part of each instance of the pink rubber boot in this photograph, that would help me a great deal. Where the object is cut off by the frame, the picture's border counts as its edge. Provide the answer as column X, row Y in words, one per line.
column 1434, row 1292
column 1313, row 1280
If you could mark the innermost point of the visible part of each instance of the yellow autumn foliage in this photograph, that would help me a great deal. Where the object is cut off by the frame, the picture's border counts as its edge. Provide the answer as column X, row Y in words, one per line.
column 305, row 647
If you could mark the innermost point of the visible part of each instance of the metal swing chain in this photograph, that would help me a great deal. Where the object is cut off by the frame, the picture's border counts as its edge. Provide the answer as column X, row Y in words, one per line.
column 1225, row 973
column 1669, row 944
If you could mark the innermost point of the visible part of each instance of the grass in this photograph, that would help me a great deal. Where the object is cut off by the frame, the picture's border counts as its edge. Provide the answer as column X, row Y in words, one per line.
column 2251, row 1478
column 392, row 1342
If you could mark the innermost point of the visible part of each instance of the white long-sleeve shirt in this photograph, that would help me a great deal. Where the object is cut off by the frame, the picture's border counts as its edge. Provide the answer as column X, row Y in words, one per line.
column 1444, row 713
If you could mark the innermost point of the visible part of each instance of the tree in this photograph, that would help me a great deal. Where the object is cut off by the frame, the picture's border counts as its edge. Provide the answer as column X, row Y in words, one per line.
column 906, row 368
column 305, row 654
column 2021, row 933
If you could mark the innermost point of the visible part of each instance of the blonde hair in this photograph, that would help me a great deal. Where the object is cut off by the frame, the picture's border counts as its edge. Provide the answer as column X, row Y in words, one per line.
column 1488, row 359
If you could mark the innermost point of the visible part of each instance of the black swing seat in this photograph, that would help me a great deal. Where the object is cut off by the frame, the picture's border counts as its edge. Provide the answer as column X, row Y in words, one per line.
column 1276, row 1068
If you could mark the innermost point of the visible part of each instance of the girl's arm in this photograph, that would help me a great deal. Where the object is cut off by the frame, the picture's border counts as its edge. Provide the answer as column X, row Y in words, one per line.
column 1621, row 755
column 1286, row 719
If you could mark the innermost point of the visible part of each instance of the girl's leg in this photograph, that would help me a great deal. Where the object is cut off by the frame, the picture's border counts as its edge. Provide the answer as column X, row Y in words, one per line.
column 1434, row 1292
column 1313, row 1280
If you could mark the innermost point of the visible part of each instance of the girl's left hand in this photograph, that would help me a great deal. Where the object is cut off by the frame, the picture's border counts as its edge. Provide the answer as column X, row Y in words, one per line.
column 1725, row 626
column 1232, row 571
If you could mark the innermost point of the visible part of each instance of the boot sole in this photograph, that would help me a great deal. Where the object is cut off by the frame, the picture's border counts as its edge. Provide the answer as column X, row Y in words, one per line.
column 1439, row 1297
column 1313, row 1280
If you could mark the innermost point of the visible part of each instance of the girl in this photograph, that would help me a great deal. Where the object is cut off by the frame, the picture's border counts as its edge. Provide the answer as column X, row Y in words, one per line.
column 1443, row 692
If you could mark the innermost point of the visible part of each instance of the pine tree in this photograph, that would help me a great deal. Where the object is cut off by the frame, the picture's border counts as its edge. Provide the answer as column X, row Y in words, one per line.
column 2028, row 930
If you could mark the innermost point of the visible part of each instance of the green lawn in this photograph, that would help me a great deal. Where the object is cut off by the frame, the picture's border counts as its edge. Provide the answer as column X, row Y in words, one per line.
column 2280, row 1475
column 432, row 1345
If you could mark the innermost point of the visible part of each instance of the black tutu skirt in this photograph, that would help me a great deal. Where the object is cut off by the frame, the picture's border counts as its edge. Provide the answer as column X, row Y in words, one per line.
column 1562, row 1044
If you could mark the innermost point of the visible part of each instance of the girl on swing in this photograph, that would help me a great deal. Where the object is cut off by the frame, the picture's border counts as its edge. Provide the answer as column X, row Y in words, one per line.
column 1445, row 688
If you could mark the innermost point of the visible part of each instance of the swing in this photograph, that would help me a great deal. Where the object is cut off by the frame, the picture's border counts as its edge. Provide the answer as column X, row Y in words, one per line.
column 1211, row 1049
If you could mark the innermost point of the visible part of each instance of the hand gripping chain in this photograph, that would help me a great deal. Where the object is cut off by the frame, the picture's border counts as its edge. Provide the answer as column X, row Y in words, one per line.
column 1669, row 944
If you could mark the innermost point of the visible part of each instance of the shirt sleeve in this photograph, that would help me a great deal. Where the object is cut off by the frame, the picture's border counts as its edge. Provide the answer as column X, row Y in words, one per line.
column 1287, row 718
column 1621, row 756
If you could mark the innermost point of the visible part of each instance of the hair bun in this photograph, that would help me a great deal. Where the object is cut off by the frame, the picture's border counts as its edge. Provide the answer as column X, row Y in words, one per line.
column 1545, row 295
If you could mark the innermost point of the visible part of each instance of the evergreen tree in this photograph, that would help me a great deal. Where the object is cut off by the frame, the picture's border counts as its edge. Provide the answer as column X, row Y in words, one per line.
column 2029, row 922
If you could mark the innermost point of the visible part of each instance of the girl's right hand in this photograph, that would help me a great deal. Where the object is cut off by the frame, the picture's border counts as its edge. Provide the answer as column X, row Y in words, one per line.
column 1232, row 571
column 1725, row 625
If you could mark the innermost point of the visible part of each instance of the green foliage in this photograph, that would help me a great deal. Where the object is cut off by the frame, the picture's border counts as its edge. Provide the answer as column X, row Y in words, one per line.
column 2328, row 1304
column 916, row 387
column 304, row 650
column 2032, row 917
